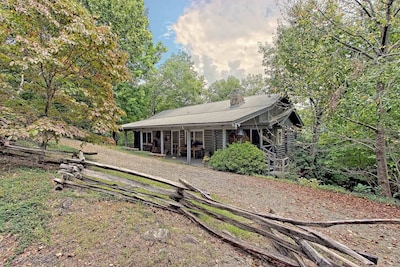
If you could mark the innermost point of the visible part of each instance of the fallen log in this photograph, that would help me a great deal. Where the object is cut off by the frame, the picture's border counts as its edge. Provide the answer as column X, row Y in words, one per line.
column 59, row 184
column 88, row 174
column 313, row 254
column 284, row 229
column 282, row 242
column 306, row 234
column 263, row 254
column 133, row 197
column 329, row 242
column 345, row 262
column 306, row 243
column 325, row 224
column 195, row 189
column 124, row 170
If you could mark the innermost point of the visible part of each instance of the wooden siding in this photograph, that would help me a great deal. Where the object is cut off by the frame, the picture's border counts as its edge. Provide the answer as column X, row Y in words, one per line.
column 209, row 141
column 218, row 139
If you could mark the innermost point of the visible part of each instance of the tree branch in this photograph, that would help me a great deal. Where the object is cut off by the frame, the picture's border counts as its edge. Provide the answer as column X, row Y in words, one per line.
column 359, row 123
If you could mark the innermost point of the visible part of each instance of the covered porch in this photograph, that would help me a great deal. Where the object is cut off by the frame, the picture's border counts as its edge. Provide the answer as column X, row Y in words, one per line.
column 196, row 143
column 192, row 132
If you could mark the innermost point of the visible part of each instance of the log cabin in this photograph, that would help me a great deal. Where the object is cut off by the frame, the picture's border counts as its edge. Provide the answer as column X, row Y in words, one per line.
column 268, row 121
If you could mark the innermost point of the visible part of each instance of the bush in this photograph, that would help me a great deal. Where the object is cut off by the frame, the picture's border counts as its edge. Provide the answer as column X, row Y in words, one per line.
column 242, row 158
column 314, row 183
column 363, row 189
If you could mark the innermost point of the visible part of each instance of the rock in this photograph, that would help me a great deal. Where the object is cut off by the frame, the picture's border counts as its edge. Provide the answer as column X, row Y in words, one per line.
column 190, row 239
column 157, row 234
column 66, row 204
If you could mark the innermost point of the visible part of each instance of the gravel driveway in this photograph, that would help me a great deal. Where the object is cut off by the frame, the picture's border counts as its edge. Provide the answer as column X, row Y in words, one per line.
column 285, row 199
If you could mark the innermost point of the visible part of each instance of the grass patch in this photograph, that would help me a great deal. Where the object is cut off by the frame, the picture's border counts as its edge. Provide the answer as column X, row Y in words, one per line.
column 60, row 147
column 23, row 210
column 224, row 226
column 132, row 177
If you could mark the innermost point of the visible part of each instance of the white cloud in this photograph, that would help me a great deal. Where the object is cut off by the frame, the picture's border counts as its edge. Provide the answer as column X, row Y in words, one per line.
column 223, row 35
column 169, row 31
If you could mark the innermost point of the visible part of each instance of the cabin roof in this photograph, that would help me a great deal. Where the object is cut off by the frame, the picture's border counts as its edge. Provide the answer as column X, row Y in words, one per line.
column 209, row 114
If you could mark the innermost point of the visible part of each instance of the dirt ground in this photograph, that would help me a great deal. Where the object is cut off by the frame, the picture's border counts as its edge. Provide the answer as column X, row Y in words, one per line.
column 105, row 232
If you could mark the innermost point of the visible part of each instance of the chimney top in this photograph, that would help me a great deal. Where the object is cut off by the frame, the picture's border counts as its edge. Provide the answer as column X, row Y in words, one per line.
column 236, row 98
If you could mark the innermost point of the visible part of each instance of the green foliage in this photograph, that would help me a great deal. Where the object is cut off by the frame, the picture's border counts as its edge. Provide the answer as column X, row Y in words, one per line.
column 254, row 84
column 222, row 89
column 344, row 71
column 242, row 158
column 176, row 84
column 134, row 99
column 128, row 20
column 362, row 188
column 58, row 68
column 314, row 183
column 23, row 211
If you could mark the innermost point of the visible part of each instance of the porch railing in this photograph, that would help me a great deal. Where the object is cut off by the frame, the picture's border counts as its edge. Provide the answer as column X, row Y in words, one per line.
column 274, row 163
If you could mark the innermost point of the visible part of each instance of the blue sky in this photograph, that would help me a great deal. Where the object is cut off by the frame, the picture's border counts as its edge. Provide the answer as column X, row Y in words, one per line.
column 222, row 36
column 162, row 15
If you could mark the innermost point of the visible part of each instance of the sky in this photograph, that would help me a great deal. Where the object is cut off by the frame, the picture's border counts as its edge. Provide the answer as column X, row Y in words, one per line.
column 222, row 36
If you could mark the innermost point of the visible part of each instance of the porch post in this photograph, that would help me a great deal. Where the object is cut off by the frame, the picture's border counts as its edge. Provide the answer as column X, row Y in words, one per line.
column 223, row 138
column 188, row 146
column 178, row 151
column 171, row 143
column 162, row 142
column 126, row 137
column 141, row 140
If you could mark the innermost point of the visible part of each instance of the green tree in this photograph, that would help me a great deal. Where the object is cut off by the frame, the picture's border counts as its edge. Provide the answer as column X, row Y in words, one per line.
column 311, row 70
column 134, row 99
column 175, row 84
column 369, row 30
column 254, row 84
column 222, row 89
column 58, row 69
column 128, row 20
column 367, row 35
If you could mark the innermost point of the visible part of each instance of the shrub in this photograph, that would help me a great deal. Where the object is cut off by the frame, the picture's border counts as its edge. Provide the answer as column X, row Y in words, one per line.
column 314, row 183
column 242, row 158
column 363, row 189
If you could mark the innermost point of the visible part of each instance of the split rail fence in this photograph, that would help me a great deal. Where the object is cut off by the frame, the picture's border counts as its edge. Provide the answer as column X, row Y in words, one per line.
column 284, row 241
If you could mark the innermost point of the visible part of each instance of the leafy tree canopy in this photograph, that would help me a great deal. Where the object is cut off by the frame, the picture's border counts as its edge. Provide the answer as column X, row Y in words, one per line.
column 175, row 84
column 57, row 70
column 346, row 65
column 222, row 89
column 128, row 19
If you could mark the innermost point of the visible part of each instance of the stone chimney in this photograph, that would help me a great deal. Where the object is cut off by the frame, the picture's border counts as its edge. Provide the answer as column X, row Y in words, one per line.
column 236, row 98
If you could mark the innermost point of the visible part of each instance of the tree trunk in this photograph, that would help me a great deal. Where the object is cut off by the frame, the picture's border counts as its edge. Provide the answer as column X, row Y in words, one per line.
column 380, row 144
column 316, row 132
column 382, row 170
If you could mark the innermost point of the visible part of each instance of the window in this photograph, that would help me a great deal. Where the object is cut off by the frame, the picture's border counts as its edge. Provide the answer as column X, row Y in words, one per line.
column 197, row 137
column 147, row 138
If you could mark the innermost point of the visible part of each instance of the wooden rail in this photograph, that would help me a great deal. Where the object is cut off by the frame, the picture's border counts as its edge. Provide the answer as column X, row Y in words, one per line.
column 292, row 241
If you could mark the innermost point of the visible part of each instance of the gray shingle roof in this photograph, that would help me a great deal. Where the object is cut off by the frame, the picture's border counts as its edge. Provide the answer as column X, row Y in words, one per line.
column 215, row 113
